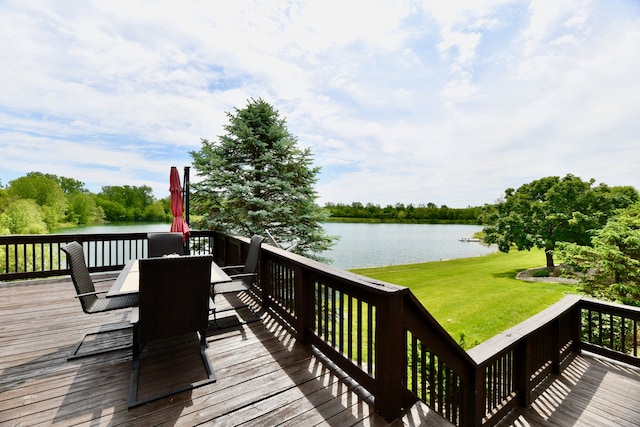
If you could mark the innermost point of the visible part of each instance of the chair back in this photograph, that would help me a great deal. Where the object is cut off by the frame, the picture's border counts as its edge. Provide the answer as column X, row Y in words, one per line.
column 80, row 275
column 165, row 244
column 251, row 263
column 173, row 296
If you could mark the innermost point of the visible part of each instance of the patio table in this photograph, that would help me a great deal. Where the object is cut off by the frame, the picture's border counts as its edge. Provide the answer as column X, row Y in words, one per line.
column 129, row 278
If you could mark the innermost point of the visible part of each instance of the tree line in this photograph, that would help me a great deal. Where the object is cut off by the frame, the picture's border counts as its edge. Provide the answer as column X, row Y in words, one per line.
column 38, row 203
column 421, row 213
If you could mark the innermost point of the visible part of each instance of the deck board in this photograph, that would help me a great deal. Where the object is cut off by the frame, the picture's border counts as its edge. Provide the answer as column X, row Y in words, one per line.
column 590, row 391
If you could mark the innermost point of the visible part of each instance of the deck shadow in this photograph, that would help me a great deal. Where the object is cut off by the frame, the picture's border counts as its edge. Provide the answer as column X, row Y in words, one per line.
column 575, row 397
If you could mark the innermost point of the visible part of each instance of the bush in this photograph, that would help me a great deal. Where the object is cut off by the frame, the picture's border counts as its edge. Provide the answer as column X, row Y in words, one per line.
column 543, row 272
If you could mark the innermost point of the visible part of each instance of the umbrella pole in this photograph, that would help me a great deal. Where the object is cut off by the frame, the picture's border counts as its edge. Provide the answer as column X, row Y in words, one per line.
column 185, row 195
column 185, row 202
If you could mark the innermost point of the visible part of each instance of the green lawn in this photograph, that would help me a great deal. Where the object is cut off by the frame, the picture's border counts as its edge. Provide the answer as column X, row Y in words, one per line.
column 476, row 298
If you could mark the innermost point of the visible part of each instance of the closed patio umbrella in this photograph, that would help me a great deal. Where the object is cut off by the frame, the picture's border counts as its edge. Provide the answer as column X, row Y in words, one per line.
column 178, row 224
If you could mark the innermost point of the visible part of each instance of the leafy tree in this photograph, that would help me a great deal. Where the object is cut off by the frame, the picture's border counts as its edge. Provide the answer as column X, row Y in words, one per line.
column 255, row 178
column 5, row 198
column 82, row 206
column 610, row 266
column 45, row 190
column 156, row 212
column 71, row 185
column 23, row 216
column 551, row 210
column 83, row 209
column 125, row 203
column 113, row 211
column 165, row 203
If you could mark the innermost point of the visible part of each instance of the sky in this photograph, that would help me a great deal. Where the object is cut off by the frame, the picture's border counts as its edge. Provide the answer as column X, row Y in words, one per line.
column 399, row 101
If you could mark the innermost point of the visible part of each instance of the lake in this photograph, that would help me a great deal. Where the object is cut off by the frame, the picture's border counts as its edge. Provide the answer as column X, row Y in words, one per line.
column 377, row 245
column 364, row 245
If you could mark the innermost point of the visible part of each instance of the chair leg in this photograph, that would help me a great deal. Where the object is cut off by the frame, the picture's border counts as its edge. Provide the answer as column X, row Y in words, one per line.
column 133, row 381
column 241, row 322
column 74, row 354
column 205, row 359
column 135, row 375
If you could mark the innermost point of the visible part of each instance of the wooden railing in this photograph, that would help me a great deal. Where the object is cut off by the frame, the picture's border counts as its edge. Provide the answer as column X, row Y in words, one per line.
column 610, row 330
column 509, row 365
column 35, row 256
column 384, row 338
column 379, row 333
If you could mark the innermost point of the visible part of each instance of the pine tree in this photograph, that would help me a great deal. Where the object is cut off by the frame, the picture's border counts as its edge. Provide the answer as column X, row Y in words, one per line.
column 255, row 178
column 610, row 264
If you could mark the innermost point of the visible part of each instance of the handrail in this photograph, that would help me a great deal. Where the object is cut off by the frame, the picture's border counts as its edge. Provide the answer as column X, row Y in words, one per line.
column 30, row 256
column 512, row 363
column 611, row 330
column 379, row 333
column 438, row 370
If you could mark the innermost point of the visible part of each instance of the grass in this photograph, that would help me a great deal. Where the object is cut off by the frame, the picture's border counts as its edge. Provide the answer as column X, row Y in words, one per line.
column 476, row 298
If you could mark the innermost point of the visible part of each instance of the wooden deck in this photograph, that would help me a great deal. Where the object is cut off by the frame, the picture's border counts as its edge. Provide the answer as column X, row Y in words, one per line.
column 591, row 391
column 263, row 376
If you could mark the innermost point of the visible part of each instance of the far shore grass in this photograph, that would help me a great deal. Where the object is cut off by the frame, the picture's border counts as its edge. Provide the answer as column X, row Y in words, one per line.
column 476, row 298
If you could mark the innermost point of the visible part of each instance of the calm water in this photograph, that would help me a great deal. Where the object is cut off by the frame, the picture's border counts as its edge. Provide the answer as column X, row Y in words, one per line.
column 364, row 245
column 376, row 245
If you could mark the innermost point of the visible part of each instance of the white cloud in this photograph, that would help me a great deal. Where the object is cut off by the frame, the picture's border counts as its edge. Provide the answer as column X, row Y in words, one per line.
column 444, row 102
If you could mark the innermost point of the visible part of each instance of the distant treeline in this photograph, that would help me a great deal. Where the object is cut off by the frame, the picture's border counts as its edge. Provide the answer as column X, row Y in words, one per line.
column 429, row 213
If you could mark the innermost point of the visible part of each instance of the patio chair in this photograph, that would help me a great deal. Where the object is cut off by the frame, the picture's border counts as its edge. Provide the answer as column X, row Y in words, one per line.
column 89, row 300
column 242, row 280
column 174, row 302
column 161, row 244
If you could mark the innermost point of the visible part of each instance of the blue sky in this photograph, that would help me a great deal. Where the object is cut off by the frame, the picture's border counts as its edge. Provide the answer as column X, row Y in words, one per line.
column 399, row 101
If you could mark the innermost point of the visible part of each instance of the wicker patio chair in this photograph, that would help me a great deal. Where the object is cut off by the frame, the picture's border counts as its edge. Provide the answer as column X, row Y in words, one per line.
column 165, row 244
column 243, row 279
column 89, row 300
column 174, row 302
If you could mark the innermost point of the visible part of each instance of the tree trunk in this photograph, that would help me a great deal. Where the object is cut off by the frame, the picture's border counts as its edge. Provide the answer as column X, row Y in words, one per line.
column 549, row 254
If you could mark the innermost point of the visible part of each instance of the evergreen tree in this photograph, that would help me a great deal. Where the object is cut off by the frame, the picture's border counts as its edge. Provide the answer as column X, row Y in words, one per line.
column 610, row 265
column 255, row 178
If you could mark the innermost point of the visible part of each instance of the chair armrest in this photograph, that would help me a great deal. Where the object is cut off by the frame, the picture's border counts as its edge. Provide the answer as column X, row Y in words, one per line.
column 230, row 267
column 90, row 293
column 135, row 315
column 236, row 276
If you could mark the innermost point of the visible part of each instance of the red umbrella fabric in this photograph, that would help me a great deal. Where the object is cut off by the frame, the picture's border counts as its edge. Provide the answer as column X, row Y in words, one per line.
column 178, row 224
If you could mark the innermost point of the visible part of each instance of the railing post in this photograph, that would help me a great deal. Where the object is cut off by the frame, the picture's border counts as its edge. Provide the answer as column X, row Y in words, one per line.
column 555, row 346
column 389, row 356
column 522, row 360
column 265, row 281
column 576, row 328
column 474, row 398
column 304, row 304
